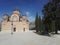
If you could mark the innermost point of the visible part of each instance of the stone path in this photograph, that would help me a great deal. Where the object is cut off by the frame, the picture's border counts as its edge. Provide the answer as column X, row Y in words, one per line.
column 27, row 38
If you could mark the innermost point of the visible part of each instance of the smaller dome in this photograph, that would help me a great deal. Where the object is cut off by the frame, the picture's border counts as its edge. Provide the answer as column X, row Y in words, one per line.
column 5, row 16
column 27, row 20
column 24, row 17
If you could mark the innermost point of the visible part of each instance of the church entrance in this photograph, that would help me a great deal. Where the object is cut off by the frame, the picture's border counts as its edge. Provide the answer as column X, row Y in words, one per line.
column 14, row 29
column 24, row 29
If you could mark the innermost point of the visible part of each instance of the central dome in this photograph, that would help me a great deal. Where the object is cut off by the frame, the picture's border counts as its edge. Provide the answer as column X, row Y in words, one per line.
column 16, row 11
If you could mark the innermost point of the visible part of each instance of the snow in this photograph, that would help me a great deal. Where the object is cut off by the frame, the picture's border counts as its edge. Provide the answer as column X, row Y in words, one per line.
column 27, row 38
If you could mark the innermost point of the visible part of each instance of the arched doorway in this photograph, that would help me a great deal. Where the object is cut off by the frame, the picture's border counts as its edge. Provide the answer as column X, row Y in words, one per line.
column 14, row 29
column 24, row 29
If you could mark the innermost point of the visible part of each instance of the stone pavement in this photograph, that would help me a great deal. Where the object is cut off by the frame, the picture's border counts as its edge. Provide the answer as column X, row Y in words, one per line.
column 27, row 38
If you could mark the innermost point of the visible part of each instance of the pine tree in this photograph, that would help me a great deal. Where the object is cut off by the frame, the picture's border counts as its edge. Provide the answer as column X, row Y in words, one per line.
column 51, row 13
column 36, row 22
column 40, row 24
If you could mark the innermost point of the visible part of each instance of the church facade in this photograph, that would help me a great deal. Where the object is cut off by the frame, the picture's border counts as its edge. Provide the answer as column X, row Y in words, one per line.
column 15, row 22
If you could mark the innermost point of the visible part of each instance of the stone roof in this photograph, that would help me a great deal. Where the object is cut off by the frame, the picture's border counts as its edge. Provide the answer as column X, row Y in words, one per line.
column 16, row 10
column 5, row 14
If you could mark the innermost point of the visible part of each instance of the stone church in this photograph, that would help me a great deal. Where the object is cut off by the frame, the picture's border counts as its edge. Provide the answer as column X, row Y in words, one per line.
column 15, row 22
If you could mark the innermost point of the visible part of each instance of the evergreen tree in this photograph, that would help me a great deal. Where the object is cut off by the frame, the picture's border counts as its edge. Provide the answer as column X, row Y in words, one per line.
column 40, row 24
column 36, row 22
column 51, row 13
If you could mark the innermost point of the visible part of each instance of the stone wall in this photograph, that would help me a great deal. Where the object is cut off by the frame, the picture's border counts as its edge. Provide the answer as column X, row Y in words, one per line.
column 20, row 26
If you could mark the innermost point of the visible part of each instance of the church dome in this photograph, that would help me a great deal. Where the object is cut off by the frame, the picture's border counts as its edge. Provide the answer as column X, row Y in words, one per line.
column 24, row 17
column 16, row 11
column 5, row 16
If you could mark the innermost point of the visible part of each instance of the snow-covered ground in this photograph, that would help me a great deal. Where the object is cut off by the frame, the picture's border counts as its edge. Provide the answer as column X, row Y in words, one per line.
column 27, row 38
